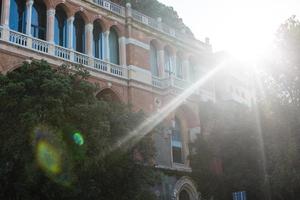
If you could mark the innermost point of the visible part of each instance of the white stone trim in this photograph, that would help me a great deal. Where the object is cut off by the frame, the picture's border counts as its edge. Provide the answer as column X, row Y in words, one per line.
column 139, row 74
column 138, row 43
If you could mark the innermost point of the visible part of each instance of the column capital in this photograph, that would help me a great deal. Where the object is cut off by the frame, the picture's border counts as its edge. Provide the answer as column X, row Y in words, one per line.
column 29, row 2
column 106, row 33
column 71, row 19
column 51, row 12
column 89, row 26
column 128, row 10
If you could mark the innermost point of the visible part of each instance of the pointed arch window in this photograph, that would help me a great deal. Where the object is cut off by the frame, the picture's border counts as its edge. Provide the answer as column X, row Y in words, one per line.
column 177, row 142
column 39, row 20
column 153, row 60
column 17, row 17
column 98, row 40
column 60, row 27
column 79, row 34
column 113, row 46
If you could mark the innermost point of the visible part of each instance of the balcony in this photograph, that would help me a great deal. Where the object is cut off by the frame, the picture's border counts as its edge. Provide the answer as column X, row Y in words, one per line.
column 113, row 7
column 64, row 54
column 205, row 91
column 148, row 21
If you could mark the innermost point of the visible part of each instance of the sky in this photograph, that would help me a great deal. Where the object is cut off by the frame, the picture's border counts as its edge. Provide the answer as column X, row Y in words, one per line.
column 237, row 26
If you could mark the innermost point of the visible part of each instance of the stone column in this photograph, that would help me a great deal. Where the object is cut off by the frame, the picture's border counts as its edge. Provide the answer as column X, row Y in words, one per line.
column 89, row 39
column 70, row 24
column 29, row 5
column 106, row 45
column 5, row 19
column 5, row 13
column 122, row 49
column 50, row 25
column 128, row 14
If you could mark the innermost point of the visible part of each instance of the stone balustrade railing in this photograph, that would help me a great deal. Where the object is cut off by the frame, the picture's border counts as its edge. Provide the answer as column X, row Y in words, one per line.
column 41, row 46
column 111, row 6
column 69, row 55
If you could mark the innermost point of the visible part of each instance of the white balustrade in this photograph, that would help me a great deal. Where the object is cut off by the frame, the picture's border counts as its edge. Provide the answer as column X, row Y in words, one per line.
column 180, row 83
column 81, row 58
column 117, row 70
column 160, row 83
column 40, row 45
column 100, row 65
column 18, row 38
column 111, row 6
column 62, row 53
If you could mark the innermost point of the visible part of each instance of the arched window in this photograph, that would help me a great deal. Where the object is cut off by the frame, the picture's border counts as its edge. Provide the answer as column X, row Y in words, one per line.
column 60, row 27
column 168, row 62
column 79, row 33
column 113, row 46
column 153, row 60
column 39, row 20
column 179, row 71
column 17, row 16
column 98, row 40
column 177, row 142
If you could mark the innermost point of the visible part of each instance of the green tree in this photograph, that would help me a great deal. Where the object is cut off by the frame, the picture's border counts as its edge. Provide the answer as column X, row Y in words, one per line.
column 280, row 112
column 227, row 158
column 56, row 139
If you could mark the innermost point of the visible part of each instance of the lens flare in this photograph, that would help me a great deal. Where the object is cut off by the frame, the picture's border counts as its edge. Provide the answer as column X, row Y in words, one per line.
column 78, row 139
column 51, row 154
column 48, row 158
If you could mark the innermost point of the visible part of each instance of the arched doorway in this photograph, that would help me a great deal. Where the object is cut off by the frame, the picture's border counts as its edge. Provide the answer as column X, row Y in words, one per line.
column 108, row 95
column 184, row 195
column 185, row 189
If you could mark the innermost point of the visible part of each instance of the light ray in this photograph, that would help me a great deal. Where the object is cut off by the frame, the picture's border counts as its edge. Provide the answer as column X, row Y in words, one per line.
column 152, row 121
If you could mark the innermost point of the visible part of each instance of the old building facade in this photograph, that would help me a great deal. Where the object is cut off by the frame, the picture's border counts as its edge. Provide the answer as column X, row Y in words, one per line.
column 134, row 58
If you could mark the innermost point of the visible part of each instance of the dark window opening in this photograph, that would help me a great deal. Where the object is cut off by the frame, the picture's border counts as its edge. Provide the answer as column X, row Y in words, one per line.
column 98, row 40
column 79, row 34
column 60, row 27
column 17, row 16
column 39, row 20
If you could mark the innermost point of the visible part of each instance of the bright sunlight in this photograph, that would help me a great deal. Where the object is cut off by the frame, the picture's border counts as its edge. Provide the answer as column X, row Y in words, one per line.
column 243, row 28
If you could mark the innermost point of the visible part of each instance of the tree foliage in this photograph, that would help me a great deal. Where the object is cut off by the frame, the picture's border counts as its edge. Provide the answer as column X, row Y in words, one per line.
column 155, row 9
column 280, row 113
column 228, row 159
column 40, row 104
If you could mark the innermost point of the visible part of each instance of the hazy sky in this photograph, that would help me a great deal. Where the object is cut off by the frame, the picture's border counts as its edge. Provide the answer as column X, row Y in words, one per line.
column 235, row 24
